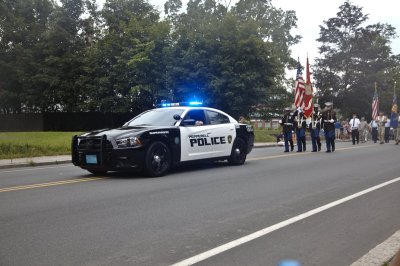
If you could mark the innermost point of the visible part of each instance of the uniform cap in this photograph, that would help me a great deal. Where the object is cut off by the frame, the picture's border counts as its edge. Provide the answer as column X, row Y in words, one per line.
column 287, row 109
column 328, row 104
column 316, row 105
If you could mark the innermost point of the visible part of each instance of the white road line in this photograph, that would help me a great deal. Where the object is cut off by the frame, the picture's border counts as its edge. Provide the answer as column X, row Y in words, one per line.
column 215, row 251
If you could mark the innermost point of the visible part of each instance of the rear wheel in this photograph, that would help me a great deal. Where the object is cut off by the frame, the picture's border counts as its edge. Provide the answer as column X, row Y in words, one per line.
column 239, row 152
column 157, row 159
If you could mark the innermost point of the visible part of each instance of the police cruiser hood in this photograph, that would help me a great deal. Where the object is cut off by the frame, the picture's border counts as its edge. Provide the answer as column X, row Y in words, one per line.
column 120, row 132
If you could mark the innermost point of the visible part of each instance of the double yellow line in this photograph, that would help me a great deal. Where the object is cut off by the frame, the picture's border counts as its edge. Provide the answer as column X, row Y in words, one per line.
column 50, row 184
column 80, row 180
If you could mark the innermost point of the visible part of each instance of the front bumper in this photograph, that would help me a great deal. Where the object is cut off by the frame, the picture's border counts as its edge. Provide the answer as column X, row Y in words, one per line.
column 97, row 153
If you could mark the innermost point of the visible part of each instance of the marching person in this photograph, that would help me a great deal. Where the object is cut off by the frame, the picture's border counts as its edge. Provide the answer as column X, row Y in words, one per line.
column 394, row 123
column 287, row 124
column 314, row 127
column 355, row 134
column 363, row 129
column 387, row 130
column 381, row 121
column 328, row 123
column 374, row 130
column 300, row 128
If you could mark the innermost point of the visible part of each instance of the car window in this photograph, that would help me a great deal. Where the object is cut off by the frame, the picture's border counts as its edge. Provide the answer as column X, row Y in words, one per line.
column 197, row 115
column 217, row 118
column 155, row 117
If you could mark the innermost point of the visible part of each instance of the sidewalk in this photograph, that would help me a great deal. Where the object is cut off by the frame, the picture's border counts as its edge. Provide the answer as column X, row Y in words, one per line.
column 62, row 159
column 34, row 161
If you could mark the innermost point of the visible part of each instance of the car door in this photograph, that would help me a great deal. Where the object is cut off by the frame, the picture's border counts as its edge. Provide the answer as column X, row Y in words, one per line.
column 208, row 140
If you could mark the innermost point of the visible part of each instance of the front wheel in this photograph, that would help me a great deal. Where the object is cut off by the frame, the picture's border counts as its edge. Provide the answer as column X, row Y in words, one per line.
column 239, row 152
column 157, row 159
column 98, row 172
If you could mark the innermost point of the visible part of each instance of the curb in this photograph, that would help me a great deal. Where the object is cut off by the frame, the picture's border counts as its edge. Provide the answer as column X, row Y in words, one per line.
column 382, row 253
column 30, row 162
column 33, row 163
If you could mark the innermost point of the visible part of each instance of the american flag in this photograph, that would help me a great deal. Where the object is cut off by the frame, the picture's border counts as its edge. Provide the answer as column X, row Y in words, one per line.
column 299, row 87
column 375, row 104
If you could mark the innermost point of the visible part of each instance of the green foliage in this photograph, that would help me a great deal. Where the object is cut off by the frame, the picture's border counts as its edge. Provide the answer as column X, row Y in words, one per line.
column 353, row 58
column 31, row 144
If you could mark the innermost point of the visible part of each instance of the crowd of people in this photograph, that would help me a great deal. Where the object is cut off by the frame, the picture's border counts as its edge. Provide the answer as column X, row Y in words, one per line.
column 295, row 126
column 380, row 129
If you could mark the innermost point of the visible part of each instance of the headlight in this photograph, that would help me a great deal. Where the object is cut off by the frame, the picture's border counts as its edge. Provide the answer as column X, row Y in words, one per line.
column 129, row 142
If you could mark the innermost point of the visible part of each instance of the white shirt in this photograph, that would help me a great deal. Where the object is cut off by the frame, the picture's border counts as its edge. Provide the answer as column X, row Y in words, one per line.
column 354, row 123
column 387, row 123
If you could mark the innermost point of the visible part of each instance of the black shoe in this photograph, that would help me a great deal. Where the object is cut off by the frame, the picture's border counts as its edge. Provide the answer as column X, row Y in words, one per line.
column 314, row 151
column 328, row 151
column 319, row 148
column 286, row 151
column 298, row 151
column 291, row 149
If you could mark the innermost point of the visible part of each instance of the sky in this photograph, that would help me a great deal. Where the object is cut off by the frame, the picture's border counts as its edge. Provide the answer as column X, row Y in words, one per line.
column 312, row 13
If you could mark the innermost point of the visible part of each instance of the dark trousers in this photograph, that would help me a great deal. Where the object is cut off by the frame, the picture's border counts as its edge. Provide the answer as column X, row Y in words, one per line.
column 315, row 139
column 355, row 135
column 288, row 140
column 374, row 134
column 330, row 140
column 301, row 139
column 387, row 132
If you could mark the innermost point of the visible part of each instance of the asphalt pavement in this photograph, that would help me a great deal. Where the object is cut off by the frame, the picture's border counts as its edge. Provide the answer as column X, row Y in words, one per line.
column 376, row 256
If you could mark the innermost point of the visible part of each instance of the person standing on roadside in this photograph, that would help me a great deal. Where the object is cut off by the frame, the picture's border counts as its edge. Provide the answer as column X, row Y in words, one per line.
column 355, row 134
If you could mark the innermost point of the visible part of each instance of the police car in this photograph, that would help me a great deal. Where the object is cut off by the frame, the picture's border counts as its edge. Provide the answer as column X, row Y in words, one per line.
column 161, row 138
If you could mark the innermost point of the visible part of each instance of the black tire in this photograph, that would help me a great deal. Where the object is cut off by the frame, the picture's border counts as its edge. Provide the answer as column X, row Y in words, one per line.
column 98, row 172
column 157, row 159
column 239, row 152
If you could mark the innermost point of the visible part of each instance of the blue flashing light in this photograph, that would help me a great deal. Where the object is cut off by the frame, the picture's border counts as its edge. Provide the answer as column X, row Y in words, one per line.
column 195, row 103
column 192, row 103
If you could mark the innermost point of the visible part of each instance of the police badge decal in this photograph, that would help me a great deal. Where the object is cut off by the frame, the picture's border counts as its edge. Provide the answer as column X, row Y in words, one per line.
column 229, row 139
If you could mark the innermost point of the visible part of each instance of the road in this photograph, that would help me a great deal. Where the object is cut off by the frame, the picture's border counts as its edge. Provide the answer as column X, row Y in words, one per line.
column 62, row 215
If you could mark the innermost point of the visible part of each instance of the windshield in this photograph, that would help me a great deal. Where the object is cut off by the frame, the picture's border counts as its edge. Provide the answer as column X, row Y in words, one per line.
column 155, row 117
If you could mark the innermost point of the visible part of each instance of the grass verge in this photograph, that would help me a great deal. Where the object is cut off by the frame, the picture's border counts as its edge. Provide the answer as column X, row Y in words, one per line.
column 265, row 135
column 31, row 144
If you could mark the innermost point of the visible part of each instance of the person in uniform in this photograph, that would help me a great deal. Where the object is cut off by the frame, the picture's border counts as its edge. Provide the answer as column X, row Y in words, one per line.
column 355, row 134
column 314, row 128
column 300, row 126
column 381, row 121
column 287, row 124
column 363, row 130
column 328, row 123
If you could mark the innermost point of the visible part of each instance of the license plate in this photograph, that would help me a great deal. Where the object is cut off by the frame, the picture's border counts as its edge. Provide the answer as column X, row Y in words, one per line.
column 91, row 159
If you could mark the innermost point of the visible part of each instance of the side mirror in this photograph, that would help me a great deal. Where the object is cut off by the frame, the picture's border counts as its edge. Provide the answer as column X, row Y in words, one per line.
column 177, row 117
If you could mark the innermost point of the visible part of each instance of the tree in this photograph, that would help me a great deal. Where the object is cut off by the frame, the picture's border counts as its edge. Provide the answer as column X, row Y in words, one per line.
column 353, row 58
column 230, row 57
column 127, row 65
column 23, row 26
